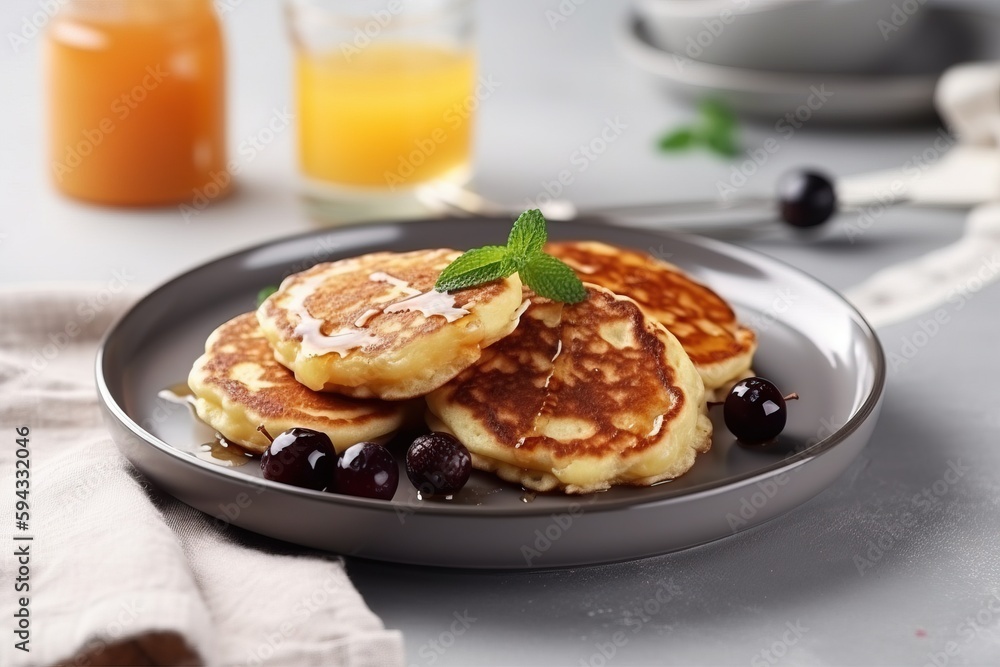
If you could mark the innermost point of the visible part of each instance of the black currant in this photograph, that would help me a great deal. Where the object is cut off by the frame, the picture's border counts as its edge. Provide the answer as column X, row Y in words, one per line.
column 438, row 464
column 755, row 411
column 368, row 470
column 300, row 457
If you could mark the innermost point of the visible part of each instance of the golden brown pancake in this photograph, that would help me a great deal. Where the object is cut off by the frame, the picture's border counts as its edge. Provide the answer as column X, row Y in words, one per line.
column 372, row 326
column 721, row 349
column 239, row 386
column 579, row 397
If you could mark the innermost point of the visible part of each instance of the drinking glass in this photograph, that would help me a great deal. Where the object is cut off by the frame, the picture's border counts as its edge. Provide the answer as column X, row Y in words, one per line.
column 385, row 101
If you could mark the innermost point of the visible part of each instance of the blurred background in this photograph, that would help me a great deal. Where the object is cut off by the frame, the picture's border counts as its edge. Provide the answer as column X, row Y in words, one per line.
column 272, row 118
column 592, row 102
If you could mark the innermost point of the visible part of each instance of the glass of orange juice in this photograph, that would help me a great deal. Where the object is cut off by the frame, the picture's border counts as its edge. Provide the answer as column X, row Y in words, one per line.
column 385, row 101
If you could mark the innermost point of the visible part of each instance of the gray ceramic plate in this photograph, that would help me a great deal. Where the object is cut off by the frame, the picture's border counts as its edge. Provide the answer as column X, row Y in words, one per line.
column 811, row 341
column 899, row 89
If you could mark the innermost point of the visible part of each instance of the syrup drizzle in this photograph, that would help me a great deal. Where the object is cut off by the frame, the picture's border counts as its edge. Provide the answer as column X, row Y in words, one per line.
column 224, row 453
column 315, row 343
column 179, row 394
column 220, row 451
column 657, row 425
column 398, row 283
column 367, row 315
column 429, row 304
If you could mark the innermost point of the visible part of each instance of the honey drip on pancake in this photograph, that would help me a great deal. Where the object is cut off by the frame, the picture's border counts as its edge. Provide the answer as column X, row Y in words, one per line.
column 429, row 304
column 315, row 343
column 365, row 316
column 546, row 399
column 401, row 285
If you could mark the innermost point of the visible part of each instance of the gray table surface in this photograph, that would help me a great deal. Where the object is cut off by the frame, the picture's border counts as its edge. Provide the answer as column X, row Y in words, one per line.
column 897, row 563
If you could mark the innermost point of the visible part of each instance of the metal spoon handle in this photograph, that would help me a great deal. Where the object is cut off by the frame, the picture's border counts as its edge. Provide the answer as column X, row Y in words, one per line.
column 804, row 199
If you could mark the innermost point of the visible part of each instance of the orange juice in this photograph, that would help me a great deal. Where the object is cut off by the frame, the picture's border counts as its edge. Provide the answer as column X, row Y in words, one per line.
column 136, row 101
column 391, row 116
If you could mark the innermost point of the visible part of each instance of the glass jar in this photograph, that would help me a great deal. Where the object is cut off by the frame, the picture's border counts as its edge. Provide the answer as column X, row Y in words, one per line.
column 136, row 94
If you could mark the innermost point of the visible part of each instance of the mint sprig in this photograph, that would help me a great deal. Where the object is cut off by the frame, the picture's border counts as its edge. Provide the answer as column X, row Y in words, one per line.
column 544, row 274
column 715, row 130
column 552, row 278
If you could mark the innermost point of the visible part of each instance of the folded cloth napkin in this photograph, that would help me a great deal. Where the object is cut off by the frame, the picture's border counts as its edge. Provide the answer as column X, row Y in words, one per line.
column 964, row 172
column 119, row 574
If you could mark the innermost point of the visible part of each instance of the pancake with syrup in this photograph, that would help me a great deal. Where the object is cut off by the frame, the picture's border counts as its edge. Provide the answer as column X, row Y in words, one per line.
column 579, row 398
column 722, row 350
column 238, row 386
column 373, row 326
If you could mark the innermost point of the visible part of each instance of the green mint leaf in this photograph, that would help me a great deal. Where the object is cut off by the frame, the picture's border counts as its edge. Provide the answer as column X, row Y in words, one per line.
column 475, row 267
column 264, row 293
column 716, row 131
column 722, row 143
column 678, row 140
column 546, row 275
column 717, row 116
column 552, row 278
column 527, row 237
column 718, row 128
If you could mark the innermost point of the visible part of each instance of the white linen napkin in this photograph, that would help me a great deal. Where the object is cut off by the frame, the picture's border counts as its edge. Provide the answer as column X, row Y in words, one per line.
column 120, row 574
column 962, row 174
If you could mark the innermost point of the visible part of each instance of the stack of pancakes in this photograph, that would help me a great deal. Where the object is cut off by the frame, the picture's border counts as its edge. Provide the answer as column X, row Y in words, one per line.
column 574, row 397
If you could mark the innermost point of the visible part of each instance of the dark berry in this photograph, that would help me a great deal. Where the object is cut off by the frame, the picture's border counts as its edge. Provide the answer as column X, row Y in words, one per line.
column 438, row 464
column 806, row 198
column 366, row 469
column 755, row 411
column 300, row 457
